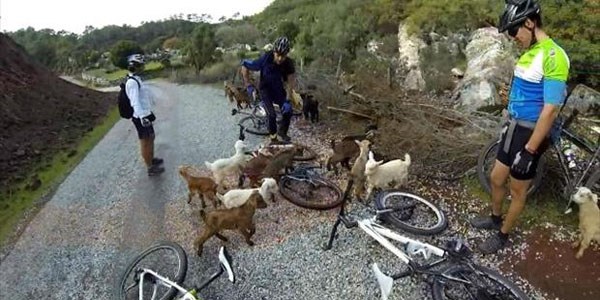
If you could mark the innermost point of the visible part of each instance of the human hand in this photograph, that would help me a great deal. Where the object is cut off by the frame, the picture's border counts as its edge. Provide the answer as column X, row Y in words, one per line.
column 522, row 162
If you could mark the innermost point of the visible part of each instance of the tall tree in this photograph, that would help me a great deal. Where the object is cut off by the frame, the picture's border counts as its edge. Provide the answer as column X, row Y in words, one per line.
column 201, row 47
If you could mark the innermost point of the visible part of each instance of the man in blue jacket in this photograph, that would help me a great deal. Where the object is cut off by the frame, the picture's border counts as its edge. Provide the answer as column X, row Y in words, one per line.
column 275, row 69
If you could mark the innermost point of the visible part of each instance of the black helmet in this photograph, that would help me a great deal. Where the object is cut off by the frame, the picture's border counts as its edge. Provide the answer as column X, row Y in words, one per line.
column 281, row 45
column 515, row 13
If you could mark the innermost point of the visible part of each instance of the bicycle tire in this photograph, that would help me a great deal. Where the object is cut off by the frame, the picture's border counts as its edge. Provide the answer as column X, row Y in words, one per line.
column 593, row 182
column 483, row 174
column 399, row 218
column 178, row 277
column 307, row 154
column 252, row 126
column 440, row 283
column 289, row 193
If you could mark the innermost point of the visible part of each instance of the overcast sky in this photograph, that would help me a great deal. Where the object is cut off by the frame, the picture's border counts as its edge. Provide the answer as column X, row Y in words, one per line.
column 74, row 15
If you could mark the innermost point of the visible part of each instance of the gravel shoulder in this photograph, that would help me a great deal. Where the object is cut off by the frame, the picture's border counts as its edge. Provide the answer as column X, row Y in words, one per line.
column 108, row 210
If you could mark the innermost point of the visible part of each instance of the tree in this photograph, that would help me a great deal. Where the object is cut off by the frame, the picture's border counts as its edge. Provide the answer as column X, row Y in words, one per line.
column 121, row 50
column 201, row 47
column 288, row 29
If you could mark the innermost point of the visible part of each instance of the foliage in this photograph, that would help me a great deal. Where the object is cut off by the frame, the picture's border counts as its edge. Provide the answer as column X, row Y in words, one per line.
column 231, row 35
column 201, row 47
column 121, row 50
column 288, row 29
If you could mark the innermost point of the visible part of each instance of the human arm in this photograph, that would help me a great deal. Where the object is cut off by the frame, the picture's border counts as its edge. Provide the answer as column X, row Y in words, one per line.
column 132, row 88
column 251, row 65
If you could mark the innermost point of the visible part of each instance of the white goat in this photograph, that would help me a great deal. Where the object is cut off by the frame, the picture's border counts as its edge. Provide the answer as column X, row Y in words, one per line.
column 380, row 175
column 229, row 166
column 237, row 197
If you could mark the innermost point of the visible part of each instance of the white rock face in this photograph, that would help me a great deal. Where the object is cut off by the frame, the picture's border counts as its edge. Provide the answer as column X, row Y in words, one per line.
column 489, row 63
column 408, row 49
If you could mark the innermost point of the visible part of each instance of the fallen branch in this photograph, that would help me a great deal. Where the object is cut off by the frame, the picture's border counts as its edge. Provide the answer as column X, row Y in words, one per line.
column 350, row 112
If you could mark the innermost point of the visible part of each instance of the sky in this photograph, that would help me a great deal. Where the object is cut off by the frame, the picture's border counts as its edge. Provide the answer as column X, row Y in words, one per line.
column 74, row 15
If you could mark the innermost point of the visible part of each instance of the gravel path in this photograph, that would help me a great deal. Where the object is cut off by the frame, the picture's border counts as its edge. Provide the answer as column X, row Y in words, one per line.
column 108, row 210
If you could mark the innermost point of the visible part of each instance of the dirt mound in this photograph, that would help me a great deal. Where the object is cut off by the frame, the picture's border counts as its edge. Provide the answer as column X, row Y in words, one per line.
column 40, row 114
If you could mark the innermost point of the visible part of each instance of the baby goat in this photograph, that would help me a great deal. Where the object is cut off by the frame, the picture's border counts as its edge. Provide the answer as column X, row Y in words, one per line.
column 358, row 168
column 380, row 175
column 237, row 197
column 237, row 218
column 203, row 186
column 589, row 219
column 347, row 149
column 233, row 165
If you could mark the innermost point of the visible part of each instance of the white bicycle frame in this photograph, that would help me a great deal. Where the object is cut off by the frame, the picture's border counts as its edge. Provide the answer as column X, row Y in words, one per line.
column 381, row 234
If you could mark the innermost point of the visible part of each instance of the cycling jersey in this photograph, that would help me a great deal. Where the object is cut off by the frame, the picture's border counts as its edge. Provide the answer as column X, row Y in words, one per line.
column 539, row 78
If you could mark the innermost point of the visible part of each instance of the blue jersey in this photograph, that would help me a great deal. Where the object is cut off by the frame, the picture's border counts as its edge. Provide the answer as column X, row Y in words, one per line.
column 272, row 75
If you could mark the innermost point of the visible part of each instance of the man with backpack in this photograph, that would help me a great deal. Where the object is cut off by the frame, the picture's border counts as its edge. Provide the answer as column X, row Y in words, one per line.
column 275, row 69
column 140, row 112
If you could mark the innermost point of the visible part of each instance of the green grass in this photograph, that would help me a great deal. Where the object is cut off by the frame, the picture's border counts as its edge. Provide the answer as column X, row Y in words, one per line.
column 51, row 174
column 543, row 206
column 119, row 74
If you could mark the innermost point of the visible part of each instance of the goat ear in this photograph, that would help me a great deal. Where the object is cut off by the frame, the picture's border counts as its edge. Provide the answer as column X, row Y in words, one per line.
column 371, row 157
column 357, row 142
column 594, row 198
column 379, row 162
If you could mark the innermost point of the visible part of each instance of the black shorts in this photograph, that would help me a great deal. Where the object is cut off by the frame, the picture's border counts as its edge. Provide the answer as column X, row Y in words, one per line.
column 143, row 132
column 520, row 137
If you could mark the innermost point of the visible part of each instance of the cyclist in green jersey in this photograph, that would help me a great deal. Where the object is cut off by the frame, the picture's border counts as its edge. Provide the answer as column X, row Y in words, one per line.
column 537, row 93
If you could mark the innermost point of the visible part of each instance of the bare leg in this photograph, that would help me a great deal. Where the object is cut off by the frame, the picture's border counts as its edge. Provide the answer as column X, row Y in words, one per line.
column 498, row 177
column 145, row 145
column 518, row 192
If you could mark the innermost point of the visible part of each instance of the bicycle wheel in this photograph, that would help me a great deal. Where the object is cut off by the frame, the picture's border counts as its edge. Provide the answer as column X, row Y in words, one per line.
column 481, row 283
column 417, row 215
column 304, row 153
column 168, row 259
column 255, row 125
column 486, row 161
column 313, row 193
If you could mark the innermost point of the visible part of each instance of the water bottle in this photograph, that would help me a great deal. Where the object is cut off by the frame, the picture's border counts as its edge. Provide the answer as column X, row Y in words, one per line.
column 569, row 155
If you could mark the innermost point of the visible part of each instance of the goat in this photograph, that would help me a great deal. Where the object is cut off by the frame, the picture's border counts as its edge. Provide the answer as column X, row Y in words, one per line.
column 380, row 175
column 237, row 197
column 347, row 149
column 229, row 166
column 237, row 94
column 358, row 168
column 237, row 218
column 203, row 186
column 265, row 164
column 310, row 108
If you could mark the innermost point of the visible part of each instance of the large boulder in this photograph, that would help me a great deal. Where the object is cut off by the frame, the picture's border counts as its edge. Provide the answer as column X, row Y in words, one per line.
column 585, row 99
column 409, row 47
column 490, row 63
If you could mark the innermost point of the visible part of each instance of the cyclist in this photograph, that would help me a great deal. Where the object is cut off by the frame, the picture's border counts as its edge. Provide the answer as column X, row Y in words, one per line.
column 142, row 113
column 538, row 90
column 275, row 69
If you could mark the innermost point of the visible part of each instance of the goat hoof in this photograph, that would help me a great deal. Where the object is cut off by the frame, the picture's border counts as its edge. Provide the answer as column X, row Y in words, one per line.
column 250, row 243
column 199, row 252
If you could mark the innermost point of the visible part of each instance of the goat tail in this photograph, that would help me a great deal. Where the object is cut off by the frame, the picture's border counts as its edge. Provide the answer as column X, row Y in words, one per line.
column 407, row 159
column 208, row 165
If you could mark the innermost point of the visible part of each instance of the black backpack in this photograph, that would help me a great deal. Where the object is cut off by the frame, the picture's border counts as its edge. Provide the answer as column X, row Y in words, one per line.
column 125, row 108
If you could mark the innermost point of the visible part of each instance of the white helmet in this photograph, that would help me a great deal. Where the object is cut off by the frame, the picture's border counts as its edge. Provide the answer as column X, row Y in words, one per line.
column 135, row 59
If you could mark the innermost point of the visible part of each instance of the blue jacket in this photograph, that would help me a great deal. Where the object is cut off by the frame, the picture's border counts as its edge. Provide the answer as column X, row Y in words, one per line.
column 272, row 75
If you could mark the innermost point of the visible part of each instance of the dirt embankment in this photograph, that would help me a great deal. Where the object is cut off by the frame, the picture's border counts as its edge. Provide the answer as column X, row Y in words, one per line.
column 40, row 114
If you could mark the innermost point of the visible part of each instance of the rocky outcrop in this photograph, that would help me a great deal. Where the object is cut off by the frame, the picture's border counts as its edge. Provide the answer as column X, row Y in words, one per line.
column 490, row 62
column 409, row 47
column 585, row 99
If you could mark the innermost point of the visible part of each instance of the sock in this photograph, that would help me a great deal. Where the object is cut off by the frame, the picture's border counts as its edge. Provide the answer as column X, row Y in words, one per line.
column 503, row 236
column 496, row 219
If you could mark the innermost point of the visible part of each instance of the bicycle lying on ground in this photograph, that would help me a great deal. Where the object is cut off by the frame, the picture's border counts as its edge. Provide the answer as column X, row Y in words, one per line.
column 304, row 153
column 461, row 279
column 159, row 271
column 305, row 187
column 572, row 173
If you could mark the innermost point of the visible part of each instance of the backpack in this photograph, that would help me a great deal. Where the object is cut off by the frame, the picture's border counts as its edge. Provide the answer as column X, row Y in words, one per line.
column 125, row 108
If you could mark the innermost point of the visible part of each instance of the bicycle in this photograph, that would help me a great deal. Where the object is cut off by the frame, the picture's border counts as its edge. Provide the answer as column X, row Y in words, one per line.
column 306, row 188
column 141, row 279
column 472, row 281
column 304, row 153
column 572, row 177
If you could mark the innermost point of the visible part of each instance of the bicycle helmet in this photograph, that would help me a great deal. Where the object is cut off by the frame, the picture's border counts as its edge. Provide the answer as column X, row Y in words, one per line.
column 135, row 59
column 516, row 12
column 282, row 45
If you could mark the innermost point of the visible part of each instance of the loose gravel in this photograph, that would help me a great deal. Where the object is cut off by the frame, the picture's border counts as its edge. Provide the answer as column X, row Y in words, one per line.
column 108, row 210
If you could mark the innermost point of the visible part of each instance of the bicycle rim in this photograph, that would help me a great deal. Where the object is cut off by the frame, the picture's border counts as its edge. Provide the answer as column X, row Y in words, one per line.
column 323, row 195
column 486, row 161
column 167, row 259
column 419, row 217
column 255, row 125
column 481, row 283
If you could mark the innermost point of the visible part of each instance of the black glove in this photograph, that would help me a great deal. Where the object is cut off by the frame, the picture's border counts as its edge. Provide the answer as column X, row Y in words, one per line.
column 523, row 161
column 146, row 121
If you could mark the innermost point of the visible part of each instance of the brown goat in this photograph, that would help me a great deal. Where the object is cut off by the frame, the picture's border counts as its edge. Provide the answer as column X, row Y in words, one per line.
column 283, row 160
column 254, row 168
column 263, row 166
column 358, row 168
column 205, row 187
column 343, row 152
column 238, row 218
column 237, row 94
